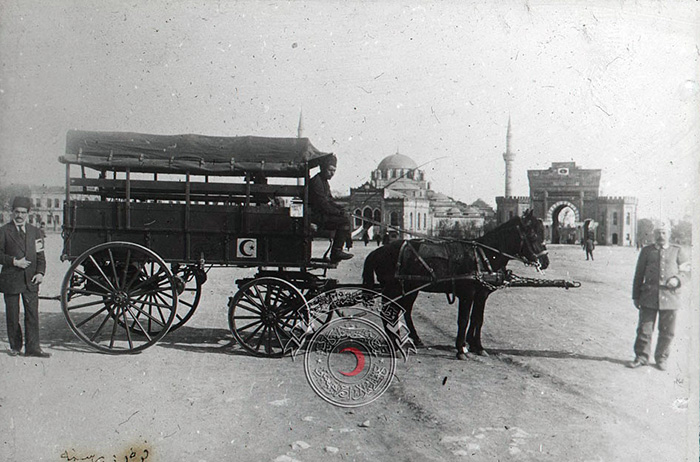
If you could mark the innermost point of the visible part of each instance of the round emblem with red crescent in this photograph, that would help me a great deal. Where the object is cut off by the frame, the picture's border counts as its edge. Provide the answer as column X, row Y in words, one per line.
column 350, row 361
column 359, row 357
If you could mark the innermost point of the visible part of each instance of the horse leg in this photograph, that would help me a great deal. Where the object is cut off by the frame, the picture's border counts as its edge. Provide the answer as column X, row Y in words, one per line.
column 476, row 321
column 407, row 304
column 393, row 291
column 465, row 304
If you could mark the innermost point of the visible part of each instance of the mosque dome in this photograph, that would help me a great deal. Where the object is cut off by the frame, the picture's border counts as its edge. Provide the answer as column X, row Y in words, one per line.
column 396, row 161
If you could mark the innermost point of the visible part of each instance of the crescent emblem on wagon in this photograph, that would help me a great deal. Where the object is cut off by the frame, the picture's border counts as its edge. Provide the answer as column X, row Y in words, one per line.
column 247, row 248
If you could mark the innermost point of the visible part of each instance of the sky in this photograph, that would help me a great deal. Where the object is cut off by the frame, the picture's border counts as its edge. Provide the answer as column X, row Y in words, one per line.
column 610, row 85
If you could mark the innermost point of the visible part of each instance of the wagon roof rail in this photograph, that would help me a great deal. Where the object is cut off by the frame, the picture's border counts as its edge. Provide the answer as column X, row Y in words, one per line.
column 189, row 153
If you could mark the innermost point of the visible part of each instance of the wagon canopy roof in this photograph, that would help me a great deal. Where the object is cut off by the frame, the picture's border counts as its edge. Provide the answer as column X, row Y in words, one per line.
column 194, row 154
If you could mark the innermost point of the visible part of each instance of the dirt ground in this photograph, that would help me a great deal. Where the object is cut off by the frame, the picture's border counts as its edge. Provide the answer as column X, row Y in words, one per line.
column 554, row 387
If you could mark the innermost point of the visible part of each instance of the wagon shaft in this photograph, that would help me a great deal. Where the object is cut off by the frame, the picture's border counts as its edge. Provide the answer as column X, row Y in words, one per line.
column 518, row 281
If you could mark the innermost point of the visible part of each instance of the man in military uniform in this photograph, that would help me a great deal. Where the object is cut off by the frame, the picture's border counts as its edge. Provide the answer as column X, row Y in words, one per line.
column 23, row 267
column 327, row 213
column 656, row 291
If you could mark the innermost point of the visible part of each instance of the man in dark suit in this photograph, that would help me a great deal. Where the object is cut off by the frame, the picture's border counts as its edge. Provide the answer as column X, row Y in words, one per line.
column 23, row 267
column 327, row 213
column 656, row 292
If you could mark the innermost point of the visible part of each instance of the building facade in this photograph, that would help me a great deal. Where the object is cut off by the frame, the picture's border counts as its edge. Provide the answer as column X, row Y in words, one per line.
column 565, row 196
column 398, row 197
column 47, row 208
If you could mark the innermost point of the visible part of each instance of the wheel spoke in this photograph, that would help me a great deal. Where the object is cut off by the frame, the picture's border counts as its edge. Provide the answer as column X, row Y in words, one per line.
column 88, row 292
column 143, row 302
column 91, row 279
column 276, row 331
column 114, row 330
column 157, row 295
column 181, row 301
column 91, row 317
column 146, row 314
column 249, row 309
column 85, row 305
column 126, row 268
column 113, row 264
column 99, row 329
column 145, row 332
column 253, row 302
column 153, row 279
column 92, row 259
column 240, row 329
column 268, row 341
column 261, row 297
column 260, row 339
column 128, row 331
column 254, row 332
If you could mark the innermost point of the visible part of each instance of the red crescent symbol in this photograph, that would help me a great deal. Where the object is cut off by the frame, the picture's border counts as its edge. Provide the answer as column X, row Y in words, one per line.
column 360, row 361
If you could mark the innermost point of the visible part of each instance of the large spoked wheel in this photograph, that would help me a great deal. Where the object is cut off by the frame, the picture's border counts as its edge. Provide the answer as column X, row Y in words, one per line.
column 119, row 297
column 263, row 313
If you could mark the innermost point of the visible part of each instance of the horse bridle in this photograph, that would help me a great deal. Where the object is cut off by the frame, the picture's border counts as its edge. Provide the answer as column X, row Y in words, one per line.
column 534, row 258
column 524, row 242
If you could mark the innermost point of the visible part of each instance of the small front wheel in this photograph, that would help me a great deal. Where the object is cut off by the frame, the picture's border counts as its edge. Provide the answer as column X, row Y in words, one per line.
column 263, row 314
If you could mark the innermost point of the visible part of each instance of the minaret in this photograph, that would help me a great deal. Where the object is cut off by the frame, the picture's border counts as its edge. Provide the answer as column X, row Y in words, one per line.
column 509, row 157
column 300, row 128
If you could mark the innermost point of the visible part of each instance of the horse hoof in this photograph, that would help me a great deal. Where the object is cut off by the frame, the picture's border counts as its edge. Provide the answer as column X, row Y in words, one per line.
column 418, row 343
column 481, row 353
column 462, row 356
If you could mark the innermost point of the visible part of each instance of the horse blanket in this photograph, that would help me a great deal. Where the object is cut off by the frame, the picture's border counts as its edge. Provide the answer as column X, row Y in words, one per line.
column 421, row 260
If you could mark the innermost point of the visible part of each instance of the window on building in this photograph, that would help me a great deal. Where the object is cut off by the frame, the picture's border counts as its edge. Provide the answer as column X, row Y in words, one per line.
column 56, row 203
column 358, row 221
column 38, row 202
column 410, row 220
column 627, row 219
column 48, row 203
column 425, row 222
column 394, row 219
column 510, row 214
column 614, row 218
column 48, row 219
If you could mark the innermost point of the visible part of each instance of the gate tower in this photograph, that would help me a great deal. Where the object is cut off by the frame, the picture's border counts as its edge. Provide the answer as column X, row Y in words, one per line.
column 564, row 196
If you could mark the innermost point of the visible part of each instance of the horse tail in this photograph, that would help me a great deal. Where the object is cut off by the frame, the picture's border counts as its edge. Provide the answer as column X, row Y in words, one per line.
column 368, row 269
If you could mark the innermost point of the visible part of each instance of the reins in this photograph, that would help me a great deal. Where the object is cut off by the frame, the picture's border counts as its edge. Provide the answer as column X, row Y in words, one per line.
column 471, row 242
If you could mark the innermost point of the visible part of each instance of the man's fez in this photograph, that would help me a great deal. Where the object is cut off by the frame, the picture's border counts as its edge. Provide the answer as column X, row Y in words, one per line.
column 328, row 161
column 23, row 202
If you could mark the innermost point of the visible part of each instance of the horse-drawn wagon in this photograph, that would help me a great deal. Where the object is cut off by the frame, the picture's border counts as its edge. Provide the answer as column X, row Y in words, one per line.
column 145, row 215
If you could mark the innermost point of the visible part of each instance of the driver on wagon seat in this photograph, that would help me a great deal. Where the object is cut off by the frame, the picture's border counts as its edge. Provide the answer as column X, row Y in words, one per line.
column 327, row 213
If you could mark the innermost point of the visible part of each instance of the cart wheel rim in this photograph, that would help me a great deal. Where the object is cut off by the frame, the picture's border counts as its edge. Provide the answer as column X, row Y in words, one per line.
column 263, row 314
column 119, row 297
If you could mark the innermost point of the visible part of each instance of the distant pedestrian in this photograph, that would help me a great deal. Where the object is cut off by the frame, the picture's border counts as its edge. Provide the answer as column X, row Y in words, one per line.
column 656, row 291
column 365, row 237
column 589, row 245
column 23, row 268
column 378, row 238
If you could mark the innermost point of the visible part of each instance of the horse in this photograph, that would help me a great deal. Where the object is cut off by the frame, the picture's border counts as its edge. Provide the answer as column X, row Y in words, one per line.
column 455, row 267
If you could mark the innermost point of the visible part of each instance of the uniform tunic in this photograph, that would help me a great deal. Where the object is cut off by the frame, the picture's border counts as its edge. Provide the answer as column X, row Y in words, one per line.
column 655, row 299
column 655, row 267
